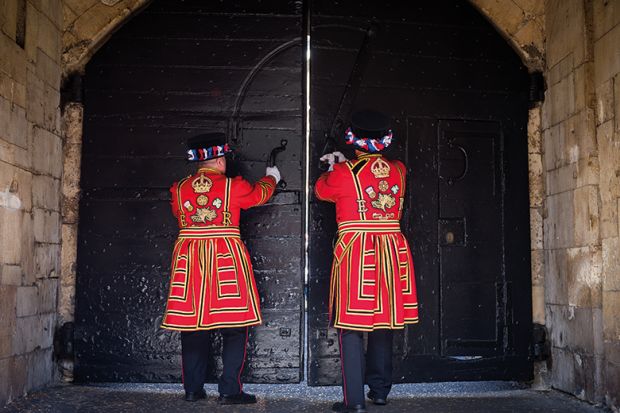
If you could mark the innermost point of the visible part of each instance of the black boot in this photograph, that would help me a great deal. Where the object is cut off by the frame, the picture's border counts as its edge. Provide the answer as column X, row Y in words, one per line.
column 241, row 398
column 191, row 396
column 343, row 408
column 379, row 401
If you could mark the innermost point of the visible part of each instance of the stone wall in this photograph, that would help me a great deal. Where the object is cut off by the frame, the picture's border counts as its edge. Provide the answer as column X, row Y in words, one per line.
column 30, row 172
column 582, row 169
column 574, row 157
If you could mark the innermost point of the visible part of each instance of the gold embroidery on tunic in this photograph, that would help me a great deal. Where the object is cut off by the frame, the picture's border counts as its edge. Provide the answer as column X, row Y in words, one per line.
column 202, row 184
column 384, row 201
column 202, row 200
column 361, row 206
column 380, row 168
column 383, row 186
column 389, row 215
column 226, row 218
column 371, row 192
column 203, row 215
column 188, row 206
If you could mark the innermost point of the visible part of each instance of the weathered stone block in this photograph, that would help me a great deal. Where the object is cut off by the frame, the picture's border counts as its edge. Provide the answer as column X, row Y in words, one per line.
column 556, row 276
column 538, row 267
column 13, row 60
column 605, row 101
column 48, row 70
column 15, row 155
column 15, row 187
column 534, row 131
column 574, row 175
column 577, row 373
column 606, row 16
column 27, row 247
column 536, row 228
column 611, row 316
column 612, row 384
column 46, row 226
column 32, row 31
column 13, row 125
column 27, row 301
column 537, row 190
column 561, row 100
column 538, row 304
column 8, row 307
column 47, row 260
column 617, row 102
column 10, row 274
column 586, row 218
column 49, row 38
column 48, row 293
column 584, row 91
column 41, row 368
column 8, row 18
column 611, row 264
column 32, row 332
column 46, row 192
column 559, row 225
column 585, row 276
column 72, row 122
column 571, row 328
column 609, row 148
column 13, row 372
column 564, row 34
column 47, row 153
column 606, row 56
column 11, row 222
column 12, row 91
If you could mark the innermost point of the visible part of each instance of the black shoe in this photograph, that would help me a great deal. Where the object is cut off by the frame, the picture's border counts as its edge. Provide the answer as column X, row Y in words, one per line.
column 379, row 401
column 191, row 396
column 241, row 398
column 343, row 408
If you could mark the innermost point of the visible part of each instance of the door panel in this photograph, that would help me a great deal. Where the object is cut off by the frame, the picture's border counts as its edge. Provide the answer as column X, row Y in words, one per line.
column 456, row 93
column 175, row 70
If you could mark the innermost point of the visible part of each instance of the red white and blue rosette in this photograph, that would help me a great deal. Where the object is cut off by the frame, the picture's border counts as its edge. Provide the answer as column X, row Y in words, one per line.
column 368, row 144
column 204, row 154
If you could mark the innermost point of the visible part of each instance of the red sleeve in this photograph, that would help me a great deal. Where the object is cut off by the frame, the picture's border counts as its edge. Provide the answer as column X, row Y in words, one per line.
column 247, row 195
column 328, row 186
column 173, row 199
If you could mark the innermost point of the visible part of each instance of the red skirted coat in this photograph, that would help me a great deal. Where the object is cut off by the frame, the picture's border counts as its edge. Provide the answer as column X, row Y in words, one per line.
column 212, row 283
column 372, row 282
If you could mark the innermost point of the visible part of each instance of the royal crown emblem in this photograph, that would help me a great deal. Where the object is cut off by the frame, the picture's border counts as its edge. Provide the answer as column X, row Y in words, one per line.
column 202, row 184
column 380, row 168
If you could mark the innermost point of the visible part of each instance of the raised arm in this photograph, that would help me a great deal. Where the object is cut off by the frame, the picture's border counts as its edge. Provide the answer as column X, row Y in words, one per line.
column 248, row 195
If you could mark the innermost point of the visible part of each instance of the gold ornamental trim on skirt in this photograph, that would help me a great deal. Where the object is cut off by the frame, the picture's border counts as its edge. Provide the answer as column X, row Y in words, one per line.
column 209, row 232
column 369, row 226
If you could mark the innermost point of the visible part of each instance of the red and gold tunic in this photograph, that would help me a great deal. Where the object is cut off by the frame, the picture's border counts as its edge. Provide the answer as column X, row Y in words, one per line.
column 212, row 283
column 372, row 282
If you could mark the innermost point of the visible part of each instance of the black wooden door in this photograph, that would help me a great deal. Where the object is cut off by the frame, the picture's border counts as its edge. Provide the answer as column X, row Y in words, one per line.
column 457, row 95
column 177, row 69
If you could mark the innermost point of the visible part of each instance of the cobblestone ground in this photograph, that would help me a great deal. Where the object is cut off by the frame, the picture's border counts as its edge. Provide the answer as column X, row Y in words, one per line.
column 432, row 398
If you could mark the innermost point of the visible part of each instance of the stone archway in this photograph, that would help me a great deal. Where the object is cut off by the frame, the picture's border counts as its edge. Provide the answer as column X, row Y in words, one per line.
column 89, row 23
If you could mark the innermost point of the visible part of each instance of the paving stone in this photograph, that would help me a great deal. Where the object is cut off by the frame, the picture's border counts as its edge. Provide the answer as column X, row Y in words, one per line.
column 290, row 398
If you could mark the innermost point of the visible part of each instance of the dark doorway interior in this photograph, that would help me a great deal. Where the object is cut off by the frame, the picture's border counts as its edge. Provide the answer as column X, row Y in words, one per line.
column 457, row 94
column 181, row 68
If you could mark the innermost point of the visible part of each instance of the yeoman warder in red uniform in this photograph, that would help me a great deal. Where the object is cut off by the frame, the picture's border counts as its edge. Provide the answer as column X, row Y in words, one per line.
column 372, row 282
column 212, row 284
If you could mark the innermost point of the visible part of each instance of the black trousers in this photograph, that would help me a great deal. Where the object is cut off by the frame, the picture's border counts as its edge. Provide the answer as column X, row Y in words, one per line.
column 195, row 348
column 376, row 370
